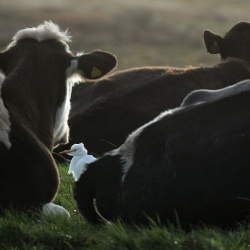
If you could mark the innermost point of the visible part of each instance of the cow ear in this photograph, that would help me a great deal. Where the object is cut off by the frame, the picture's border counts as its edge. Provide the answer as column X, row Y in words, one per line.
column 96, row 64
column 212, row 42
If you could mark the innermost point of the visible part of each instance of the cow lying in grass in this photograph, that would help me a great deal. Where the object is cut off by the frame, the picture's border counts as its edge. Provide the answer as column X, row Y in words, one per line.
column 188, row 166
column 34, row 105
column 104, row 113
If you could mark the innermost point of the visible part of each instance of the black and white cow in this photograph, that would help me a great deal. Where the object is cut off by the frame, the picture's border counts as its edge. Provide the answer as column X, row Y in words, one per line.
column 190, row 165
column 34, row 107
column 104, row 113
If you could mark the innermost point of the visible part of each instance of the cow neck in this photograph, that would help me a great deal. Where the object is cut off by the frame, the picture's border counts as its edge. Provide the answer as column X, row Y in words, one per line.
column 34, row 96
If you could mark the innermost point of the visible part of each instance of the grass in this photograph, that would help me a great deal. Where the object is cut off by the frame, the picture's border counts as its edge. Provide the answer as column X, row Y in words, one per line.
column 143, row 32
column 17, row 231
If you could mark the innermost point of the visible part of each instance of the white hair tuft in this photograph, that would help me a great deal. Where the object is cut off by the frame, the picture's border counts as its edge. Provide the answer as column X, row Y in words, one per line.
column 45, row 31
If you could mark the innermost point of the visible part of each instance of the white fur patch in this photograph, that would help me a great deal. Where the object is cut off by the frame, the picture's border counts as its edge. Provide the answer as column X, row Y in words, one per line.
column 53, row 209
column 126, row 151
column 61, row 129
column 45, row 31
column 4, row 120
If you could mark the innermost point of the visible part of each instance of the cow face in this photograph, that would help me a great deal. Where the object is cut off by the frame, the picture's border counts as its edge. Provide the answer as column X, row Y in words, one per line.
column 235, row 43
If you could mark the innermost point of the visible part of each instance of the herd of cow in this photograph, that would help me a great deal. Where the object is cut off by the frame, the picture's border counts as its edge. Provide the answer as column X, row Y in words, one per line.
column 173, row 143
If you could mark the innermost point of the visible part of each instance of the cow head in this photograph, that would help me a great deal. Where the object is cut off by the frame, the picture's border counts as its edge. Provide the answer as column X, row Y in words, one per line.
column 39, row 61
column 235, row 43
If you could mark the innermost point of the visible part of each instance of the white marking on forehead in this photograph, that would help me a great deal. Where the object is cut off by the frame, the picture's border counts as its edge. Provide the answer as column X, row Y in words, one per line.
column 4, row 120
column 45, row 31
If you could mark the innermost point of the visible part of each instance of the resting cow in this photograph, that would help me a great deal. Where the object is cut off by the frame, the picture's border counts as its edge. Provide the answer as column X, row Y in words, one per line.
column 34, row 108
column 189, row 166
column 104, row 113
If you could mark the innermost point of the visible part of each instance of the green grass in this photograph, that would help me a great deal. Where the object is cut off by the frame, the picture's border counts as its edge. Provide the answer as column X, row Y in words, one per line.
column 18, row 231
column 143, row 32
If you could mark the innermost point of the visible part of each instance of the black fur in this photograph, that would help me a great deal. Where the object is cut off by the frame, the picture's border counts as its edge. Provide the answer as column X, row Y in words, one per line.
column 193, row 164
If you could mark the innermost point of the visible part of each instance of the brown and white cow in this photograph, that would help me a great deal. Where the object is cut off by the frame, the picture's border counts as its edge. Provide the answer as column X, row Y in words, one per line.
column 34, row 108
column 104, row 113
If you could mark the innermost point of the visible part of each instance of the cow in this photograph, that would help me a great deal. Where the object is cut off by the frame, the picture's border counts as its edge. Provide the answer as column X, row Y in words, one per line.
column 188, row 167
column 105, row 112
column 38, row 67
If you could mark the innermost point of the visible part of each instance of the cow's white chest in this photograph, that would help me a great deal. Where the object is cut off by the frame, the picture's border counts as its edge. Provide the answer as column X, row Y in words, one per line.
column 4, row 120
column 61, row 129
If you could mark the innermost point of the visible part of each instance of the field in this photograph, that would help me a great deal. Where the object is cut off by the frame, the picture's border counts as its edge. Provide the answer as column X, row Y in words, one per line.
column 139, row 33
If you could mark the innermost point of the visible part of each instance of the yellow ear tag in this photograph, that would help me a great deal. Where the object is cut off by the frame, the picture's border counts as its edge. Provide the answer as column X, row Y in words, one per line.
column 215, row 49
column 95, row 73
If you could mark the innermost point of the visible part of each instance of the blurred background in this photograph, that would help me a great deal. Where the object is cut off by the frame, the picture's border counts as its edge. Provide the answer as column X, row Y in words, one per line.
column 138, row 32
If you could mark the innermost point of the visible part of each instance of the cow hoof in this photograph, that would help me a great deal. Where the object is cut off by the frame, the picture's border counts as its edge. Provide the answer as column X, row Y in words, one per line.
column 53, row 209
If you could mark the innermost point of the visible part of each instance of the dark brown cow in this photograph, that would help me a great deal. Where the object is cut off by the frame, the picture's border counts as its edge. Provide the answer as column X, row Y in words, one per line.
column 34, row 108
column 104, row 113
